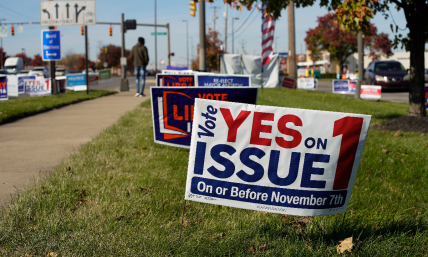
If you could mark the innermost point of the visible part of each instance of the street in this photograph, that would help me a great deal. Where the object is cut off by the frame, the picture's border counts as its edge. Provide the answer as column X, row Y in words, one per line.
column 402, row 97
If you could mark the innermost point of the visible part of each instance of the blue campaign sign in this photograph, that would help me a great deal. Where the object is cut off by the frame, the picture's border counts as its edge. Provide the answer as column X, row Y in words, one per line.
column 76, row 80
column 211, row 80
column 22, row 80
column 175, row 80
column 341, row 86
column 172, row 109
column 3, row 88
column 51, row 45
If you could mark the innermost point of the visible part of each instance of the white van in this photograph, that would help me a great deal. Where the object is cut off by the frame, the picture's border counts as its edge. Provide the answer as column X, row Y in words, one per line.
column 14, row 65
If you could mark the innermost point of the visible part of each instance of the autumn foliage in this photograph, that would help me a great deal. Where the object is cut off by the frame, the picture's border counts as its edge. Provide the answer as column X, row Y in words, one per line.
column 213, row 50
column 328, row 36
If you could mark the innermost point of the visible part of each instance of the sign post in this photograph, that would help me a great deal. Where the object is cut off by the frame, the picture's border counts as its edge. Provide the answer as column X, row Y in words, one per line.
column 51, row 51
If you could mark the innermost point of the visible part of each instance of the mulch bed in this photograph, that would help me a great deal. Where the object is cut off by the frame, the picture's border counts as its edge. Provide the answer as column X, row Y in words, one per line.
column 405, row 124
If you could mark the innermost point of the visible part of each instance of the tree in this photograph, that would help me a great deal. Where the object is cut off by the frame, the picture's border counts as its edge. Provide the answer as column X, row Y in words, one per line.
column 4, row 56
column 417, row 22
column 112, row 57
column 24, row 57
column 341, row 43
column 37, row 61
column 213, row 51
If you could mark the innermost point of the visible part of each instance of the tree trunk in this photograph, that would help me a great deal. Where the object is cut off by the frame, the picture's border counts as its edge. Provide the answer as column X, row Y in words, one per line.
column 417, row 62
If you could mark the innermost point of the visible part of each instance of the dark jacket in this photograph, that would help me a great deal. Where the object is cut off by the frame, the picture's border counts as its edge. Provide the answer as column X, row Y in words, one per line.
column 139, row 55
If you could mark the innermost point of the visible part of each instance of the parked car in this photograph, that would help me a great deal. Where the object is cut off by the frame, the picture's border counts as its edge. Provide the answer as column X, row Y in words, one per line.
column 387, row 74
column 61, row 72
column 4, row 72
column 24, row 72
column 14, row 65
column 40, row 71
column 90, row 70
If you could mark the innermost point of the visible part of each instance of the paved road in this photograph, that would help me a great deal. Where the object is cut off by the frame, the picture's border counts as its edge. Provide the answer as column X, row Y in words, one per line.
column 34, row 145
column 402, row 97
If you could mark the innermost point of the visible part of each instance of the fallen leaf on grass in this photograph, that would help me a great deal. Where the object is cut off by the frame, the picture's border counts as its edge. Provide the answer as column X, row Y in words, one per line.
column 185, row 223
column 52, row 254
column 284, row 217
column 253, row 249
column 33, row 227
column 143, row 147
column 385, row 151
column 165, row 200
column 391, row 160
column 120, row 218
column 219, row 235
column 262, row 247
column 398, row 133
column 345, row 245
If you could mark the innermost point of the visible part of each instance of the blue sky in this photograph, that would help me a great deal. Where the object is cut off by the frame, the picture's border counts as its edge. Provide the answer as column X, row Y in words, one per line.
column 168, row 11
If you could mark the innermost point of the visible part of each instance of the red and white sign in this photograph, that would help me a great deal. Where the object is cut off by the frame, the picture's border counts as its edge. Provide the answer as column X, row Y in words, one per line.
column 288, row 82
column 274, row 159
column 370, row 92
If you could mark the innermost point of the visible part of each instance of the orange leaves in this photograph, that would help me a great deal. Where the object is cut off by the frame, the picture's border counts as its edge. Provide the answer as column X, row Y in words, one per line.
column 253, row 248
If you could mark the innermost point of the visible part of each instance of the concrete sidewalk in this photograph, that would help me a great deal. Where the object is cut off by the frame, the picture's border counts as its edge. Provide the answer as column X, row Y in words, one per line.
column 31, row 146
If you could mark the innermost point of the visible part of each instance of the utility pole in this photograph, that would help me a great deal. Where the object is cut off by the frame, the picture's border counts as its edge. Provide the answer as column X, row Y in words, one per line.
column 124, row 86
column 202, row 43
column 86, row 61
column 187, row 42
column 291, row 41
column 1, row 42
column 156, row 44
column 167, row 44
column 225, row 27
column 360, row 64
column 214, row 17
column 233, row 35
column 191, row 48
column 52, row 72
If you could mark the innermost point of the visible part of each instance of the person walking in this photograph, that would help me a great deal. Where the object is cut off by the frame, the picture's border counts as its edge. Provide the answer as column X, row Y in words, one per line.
column 140, row 58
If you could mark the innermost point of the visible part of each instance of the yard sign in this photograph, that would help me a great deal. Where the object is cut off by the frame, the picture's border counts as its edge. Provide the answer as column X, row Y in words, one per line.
column 272, row 159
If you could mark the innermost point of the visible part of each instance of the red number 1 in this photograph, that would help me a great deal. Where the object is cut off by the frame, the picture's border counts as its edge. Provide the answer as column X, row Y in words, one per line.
column 350, row 129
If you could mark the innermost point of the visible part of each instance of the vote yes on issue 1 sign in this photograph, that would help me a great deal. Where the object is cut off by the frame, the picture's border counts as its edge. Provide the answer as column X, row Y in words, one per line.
column 281, row 160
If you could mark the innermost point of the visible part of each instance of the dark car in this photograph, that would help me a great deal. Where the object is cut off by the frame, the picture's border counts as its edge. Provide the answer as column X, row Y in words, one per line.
column 4, row 72
column 387, row 74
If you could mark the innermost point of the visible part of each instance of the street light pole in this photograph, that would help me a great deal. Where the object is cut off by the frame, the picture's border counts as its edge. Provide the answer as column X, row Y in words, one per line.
column 233, row 35
column 187, row 41
column 156, row 44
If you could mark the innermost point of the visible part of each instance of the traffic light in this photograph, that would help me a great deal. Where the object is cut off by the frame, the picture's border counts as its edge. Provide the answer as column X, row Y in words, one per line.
column 82, row 30
column 12, row 31
column 192, row 7
column 54, row 27
column 110, row 31
column 171, row 54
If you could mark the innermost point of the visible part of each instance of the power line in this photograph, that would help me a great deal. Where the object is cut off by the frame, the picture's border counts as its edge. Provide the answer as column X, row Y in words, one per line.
column 249, row 15
column 249, row 24
column 20, row 14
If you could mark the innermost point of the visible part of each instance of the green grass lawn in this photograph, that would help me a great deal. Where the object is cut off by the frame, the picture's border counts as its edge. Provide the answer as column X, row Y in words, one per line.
column 17, row 108
column 123, row 195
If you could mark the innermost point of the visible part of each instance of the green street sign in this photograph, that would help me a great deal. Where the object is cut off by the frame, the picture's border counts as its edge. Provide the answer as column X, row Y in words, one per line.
column 159, row 33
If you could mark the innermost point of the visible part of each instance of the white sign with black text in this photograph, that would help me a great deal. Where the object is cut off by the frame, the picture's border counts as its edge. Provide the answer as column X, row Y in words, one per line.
column 274, row 159
column 67, row 13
